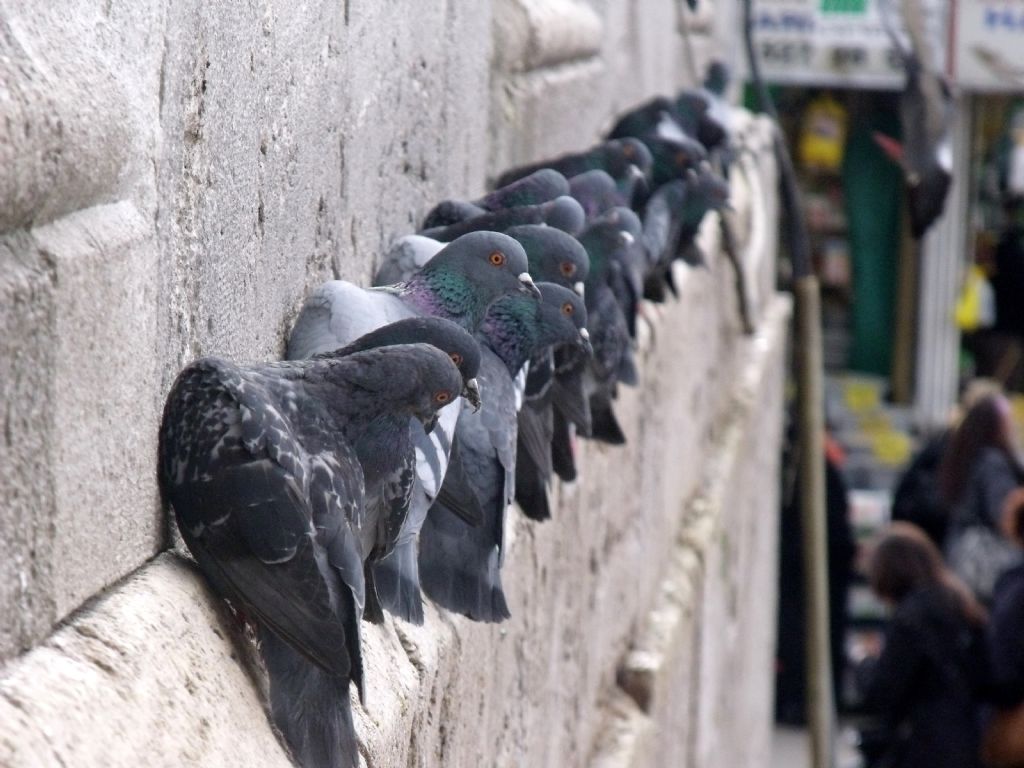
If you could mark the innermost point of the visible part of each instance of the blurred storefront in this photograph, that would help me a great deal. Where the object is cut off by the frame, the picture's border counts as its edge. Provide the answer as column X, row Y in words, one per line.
column 905, row 321
column 892, row 307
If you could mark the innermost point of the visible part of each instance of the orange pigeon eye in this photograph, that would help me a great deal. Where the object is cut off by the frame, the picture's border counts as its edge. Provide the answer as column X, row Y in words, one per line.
column 442, row 397
column 568, row 268
column 456, row 358
column 628, row 151
column 681, row 158
column 497, row 258
column 567, row 308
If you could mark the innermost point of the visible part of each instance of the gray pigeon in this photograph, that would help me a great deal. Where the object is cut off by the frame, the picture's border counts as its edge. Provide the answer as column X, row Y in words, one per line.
column 459, row 283
column 261, row 465
column 407, row 256
column 460, row 564
column 537, row 188
column 562, row 212
column 553, row 255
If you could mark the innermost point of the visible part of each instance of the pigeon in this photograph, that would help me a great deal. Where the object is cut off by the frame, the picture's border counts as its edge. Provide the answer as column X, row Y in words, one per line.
column 458, row 283
column 449, row 212
column 407, row 256
column 671, row 219
column 262, row 467
column 596, row 192
column 627, row 161
column 673, row 157
column 553, row 255
column 563, row 213
column 926, row 114
column 387, row 496
column 536, row 417
column 460, row 564
column 539, row 187
column 612, row 361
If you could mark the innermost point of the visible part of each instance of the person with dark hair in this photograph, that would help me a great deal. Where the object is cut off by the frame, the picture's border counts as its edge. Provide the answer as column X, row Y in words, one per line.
column 979, row 469
column 925, row 683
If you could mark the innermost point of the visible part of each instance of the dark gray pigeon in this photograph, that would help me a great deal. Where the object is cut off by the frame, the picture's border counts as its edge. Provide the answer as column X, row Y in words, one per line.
column 389, row 485
column 563, row 213
column 539, row 187
column 553, row 255
column 459, row 284
column 261, row 465
column 596, row 192
column 460, row 565
column 451, row 212
column 622, row 159
column 536, row 417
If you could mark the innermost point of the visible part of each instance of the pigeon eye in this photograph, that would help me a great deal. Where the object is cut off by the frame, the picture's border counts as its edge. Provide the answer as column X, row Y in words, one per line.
column 497, row 258
column 681, row 158
column 567, row 308
column 442, row 397
column 456, row 358
column 628, row 151
column 568, row 268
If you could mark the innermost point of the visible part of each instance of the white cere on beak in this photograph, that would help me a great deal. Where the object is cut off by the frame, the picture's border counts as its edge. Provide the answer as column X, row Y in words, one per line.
column 627, row 238
column 578, row 287
column 584, row 334
column 524, row 277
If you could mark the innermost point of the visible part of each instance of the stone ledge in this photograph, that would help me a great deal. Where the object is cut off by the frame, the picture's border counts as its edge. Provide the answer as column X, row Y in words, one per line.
column 151, row 667
column 530, row 34
column 661, row 669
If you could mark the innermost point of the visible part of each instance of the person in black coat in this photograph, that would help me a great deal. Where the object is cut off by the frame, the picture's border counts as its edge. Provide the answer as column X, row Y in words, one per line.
column 925, row 683
column 1005, row 635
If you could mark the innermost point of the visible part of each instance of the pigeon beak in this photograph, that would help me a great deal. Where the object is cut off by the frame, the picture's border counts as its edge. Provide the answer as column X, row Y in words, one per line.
column 578, row 287
column 627, row 237
column 429, row 424
column 471, row 391
column 585, row 342
column 528, row 285
column 642, row 185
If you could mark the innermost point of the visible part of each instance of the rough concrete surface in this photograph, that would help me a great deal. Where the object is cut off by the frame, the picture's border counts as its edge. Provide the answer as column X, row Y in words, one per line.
column 176, row 178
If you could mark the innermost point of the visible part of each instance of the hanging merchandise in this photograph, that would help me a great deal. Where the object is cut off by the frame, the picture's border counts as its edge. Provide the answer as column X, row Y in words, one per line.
column 823, row 135
column 975, row 306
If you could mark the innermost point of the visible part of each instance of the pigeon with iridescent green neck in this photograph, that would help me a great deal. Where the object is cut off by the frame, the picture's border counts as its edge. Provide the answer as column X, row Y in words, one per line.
column 460, row 565
column 459, row 283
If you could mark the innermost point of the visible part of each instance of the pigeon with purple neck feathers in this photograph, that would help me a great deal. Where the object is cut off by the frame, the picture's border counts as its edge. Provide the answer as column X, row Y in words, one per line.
column 460, row 565
column 459, row 283
column 265, row 468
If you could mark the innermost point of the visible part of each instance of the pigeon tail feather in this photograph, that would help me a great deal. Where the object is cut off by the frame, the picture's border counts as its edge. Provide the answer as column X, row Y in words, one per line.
column 397, row 579
column 309, row 706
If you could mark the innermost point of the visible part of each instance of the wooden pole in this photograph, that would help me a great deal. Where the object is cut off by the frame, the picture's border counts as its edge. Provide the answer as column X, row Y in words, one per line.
column 811, row 430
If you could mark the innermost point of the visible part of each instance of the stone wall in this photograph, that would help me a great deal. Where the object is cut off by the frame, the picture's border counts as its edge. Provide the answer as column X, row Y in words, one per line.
column 175, row 178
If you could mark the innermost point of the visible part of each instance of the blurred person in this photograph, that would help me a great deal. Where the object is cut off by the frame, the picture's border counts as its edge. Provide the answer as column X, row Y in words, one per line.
column 978, row 470
column 925, row 683
column 917, row 498
column 1003, row 743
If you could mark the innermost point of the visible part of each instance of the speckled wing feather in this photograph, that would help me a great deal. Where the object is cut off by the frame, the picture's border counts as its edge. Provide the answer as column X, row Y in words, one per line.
column 267, row 515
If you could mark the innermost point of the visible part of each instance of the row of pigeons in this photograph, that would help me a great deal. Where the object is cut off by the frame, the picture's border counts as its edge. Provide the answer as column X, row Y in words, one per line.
column 377, row 462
